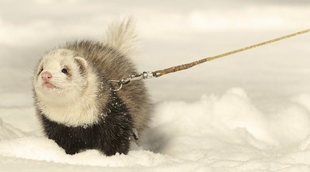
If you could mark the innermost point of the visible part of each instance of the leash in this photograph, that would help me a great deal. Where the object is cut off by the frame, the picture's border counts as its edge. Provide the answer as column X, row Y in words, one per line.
column 159, row 73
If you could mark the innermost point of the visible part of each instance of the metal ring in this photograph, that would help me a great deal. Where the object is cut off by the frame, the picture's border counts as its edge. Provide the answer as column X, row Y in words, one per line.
column 120, row 87
column 119, row 83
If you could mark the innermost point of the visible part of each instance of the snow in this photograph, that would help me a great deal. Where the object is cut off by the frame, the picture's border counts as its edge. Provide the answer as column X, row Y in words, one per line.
column 216, row 133
column 248, row 112
column 8, row 131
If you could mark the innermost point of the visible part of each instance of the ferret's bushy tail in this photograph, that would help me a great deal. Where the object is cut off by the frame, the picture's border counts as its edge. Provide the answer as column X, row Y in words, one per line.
column 121, row 35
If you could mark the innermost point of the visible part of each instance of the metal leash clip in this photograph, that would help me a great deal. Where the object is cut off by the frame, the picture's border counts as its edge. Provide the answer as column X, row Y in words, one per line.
column 133, row 77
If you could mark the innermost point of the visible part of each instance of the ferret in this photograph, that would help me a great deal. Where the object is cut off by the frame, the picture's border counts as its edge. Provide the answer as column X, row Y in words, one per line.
column 77, row 104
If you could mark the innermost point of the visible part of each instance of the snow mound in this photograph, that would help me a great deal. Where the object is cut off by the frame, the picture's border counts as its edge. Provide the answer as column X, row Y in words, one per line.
column 215, row 133
column 39, row 148
column 232, row 117
column 9, row 132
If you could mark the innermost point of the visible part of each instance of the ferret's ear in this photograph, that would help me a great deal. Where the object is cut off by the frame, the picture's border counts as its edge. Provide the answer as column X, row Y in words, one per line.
column 82, row 64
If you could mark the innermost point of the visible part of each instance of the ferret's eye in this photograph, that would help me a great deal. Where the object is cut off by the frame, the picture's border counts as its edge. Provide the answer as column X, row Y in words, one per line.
column 65, row 71
column 41, row 69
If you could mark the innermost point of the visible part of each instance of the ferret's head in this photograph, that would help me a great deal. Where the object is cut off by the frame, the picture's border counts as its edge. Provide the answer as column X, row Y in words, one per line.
column 61, row 77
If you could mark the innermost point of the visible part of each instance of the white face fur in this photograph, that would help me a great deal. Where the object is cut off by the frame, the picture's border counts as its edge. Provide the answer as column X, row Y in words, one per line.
column 66, row 88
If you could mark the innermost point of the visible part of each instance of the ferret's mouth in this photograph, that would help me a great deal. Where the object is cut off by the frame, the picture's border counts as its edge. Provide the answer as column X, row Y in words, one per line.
column 49, row 85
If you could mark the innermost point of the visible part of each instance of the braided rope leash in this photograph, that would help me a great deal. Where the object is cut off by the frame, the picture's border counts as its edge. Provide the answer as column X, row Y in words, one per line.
column 159, row 73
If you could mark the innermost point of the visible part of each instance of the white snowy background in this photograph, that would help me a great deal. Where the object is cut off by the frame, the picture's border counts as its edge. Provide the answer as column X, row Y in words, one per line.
column 247, row 112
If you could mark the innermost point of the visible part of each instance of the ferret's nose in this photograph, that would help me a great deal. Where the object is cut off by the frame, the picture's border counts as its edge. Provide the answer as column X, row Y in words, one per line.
column 46, row 76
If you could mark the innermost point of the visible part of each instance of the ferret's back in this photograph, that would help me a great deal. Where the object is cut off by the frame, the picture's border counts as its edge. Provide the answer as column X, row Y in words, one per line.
column 105, row 59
